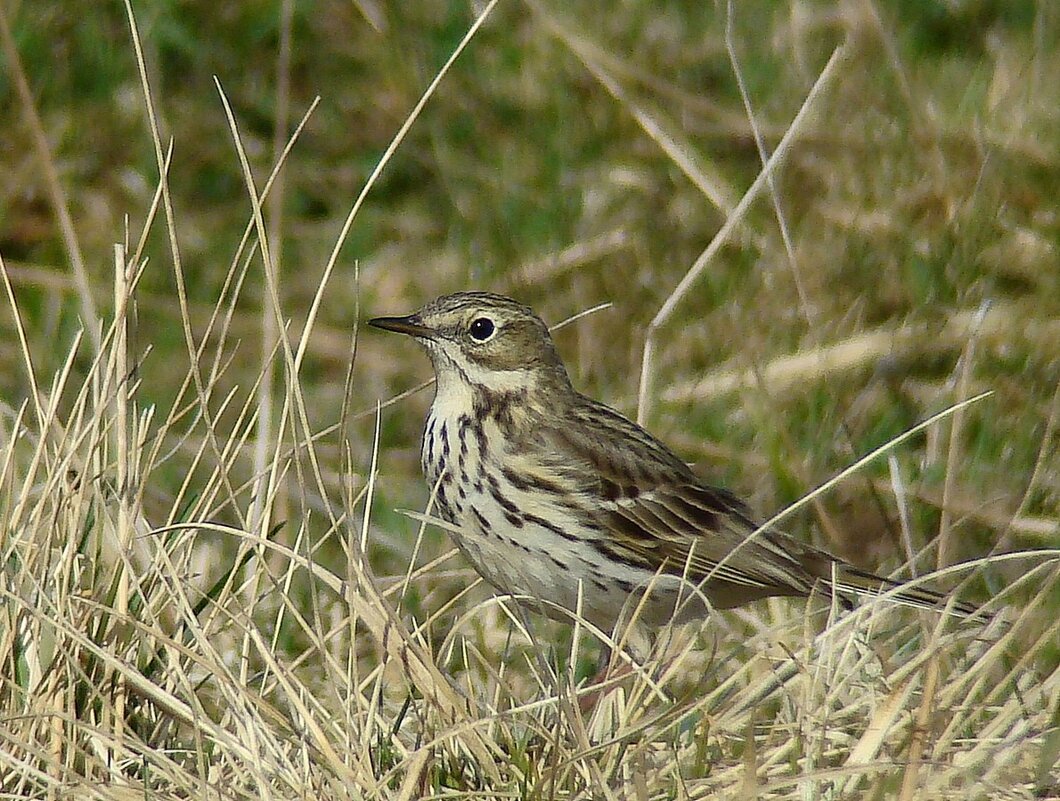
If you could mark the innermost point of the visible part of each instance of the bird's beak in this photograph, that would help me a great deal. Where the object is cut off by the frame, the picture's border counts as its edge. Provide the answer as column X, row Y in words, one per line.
column 410, row 325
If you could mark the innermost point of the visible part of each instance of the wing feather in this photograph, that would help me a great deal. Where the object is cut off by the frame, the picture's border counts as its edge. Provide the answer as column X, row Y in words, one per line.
column 657, row 515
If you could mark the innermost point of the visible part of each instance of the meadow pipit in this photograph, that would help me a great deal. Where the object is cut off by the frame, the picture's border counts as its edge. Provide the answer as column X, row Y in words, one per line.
column 553, row 496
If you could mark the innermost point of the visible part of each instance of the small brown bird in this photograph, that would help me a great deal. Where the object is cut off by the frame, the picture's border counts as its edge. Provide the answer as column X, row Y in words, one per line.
column 558, row 498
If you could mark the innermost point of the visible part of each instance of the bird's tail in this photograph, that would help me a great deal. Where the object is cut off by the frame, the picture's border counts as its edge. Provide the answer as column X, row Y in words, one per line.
column 850, row 580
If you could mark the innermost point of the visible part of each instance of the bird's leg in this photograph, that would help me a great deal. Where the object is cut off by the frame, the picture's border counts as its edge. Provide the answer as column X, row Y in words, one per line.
column 611, row 667
column 561, row 684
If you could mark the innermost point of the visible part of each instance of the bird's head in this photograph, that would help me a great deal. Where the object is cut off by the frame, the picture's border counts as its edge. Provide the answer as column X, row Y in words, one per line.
column 480, row 339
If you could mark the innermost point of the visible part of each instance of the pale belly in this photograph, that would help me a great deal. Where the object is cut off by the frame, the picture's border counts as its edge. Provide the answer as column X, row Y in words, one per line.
column 554, row 572
column 559, row 578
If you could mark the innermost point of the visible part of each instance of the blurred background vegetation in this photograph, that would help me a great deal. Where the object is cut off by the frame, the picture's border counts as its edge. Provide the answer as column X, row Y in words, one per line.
column 581, row 153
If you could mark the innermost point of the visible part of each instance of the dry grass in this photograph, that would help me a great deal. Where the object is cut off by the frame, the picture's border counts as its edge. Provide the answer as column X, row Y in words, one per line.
column 207, row 592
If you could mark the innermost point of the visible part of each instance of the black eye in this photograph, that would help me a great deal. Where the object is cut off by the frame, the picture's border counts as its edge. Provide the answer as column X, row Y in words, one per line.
column 482, row 329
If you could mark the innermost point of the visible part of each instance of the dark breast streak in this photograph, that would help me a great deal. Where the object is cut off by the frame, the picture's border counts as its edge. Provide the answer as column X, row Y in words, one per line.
column 436, row 460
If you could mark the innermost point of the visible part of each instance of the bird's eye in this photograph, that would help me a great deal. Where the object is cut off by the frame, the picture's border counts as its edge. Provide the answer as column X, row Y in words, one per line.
column 482, row 329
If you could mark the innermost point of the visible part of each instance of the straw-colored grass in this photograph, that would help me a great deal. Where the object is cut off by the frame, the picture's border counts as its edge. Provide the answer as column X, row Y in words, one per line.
column 209, row 587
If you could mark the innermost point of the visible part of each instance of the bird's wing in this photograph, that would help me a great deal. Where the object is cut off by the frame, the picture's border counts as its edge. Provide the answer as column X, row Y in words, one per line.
column 657, row 515
column 660, row 517
column 695, row 531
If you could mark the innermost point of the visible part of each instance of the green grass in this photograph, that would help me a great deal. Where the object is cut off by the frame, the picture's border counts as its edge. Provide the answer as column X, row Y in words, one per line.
column 573, row 155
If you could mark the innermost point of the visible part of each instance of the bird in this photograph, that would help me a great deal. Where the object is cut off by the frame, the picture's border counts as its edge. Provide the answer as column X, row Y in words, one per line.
column 566, row 504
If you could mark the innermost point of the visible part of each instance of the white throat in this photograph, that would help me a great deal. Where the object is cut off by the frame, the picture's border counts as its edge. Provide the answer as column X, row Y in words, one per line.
column 457, row 377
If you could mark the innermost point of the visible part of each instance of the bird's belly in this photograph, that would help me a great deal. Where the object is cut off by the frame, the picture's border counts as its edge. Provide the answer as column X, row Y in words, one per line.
column 542, row 554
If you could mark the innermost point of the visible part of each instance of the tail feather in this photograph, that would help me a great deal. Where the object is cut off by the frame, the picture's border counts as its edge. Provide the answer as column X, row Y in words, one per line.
column 862, row 582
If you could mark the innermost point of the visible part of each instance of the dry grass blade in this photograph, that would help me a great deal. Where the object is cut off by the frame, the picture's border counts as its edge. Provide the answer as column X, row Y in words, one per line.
column 732, row 221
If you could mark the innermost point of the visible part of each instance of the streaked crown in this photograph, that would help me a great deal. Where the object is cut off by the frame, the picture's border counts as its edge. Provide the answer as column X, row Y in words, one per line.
column 487, row 340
